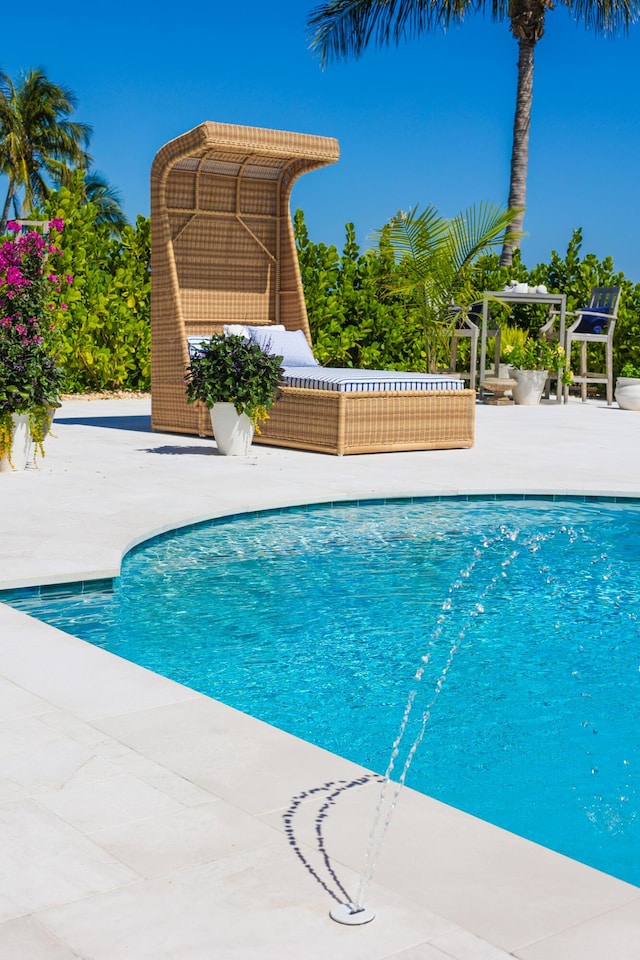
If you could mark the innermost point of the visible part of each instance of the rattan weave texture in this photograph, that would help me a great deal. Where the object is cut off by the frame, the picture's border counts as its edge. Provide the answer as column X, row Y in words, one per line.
column 223, row 251
column 222, row 245
column 376, row 422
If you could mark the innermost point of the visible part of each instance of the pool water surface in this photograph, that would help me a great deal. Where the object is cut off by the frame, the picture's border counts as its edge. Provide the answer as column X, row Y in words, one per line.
column 522, row 613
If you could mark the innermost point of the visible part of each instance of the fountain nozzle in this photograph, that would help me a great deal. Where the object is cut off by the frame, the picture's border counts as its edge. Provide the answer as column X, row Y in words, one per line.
column 351, row 914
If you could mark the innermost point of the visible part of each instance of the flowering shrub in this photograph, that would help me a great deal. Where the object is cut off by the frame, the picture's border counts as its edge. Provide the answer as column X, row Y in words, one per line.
column 30, row 379
column 537, row 354
column 234, row 370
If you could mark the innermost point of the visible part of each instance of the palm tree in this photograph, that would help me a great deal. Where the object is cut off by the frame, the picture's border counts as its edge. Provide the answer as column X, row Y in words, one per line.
column 435, row 258
column 346, row 27
column 97, row 190
column 38, row 141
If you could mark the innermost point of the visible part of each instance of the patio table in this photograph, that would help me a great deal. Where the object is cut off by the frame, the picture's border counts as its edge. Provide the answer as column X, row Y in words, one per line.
column 509, row 296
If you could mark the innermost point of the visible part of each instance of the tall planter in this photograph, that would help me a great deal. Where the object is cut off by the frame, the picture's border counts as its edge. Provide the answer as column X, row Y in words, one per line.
column 529, row 385
column 233, row 432
column 20, row 451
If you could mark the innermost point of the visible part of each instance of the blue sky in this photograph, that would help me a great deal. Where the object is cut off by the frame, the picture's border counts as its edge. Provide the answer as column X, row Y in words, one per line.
column 427, row 122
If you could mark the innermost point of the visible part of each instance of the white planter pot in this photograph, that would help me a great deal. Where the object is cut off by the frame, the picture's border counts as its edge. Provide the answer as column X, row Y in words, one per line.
column 530, row 384
column 233, row 432
column 21, row 445
column 628, row 393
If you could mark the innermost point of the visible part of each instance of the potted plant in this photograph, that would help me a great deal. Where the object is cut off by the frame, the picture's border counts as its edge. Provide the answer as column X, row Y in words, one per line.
column 238, row 382
column 30, row 379
column 530, row 363
column 30, row 384
column 628, row 387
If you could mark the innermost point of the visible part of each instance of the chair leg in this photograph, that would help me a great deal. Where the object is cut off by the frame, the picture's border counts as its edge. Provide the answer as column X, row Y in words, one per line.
column 565, row 386
column 474, row 362
column 454, row 354
column 583, row 371
column 609, row 373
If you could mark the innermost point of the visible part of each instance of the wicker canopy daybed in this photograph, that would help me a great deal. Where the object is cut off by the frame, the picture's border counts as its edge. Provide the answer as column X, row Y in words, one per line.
column 223, row 252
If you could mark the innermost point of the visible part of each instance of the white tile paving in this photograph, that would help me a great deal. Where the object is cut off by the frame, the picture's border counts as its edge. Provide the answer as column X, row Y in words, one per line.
column 139, row 819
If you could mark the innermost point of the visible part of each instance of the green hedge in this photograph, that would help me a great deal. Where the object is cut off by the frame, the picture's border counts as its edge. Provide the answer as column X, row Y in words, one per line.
column 354, row 323
column 102, row 319
column 575, row 275
column 103, row 336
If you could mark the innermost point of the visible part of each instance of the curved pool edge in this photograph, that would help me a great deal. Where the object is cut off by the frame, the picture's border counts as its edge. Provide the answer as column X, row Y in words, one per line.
column 108, row 483
column 77, row 578
column 472, row 888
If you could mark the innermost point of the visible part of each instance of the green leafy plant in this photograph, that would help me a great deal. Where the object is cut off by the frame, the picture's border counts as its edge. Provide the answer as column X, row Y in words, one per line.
column 102, row 322
column 435, row 258
column 510, row 337
column 353, row 321
column 631, row 370
column 536, row 353
column 234, row 370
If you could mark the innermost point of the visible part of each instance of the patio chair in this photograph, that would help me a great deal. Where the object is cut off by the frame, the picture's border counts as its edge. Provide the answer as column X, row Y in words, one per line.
column 594, row 324
column 465, row 328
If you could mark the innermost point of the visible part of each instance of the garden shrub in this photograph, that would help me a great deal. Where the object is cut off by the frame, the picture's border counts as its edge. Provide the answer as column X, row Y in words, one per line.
column 354, row 323
column 102, row 318
column 574, row 275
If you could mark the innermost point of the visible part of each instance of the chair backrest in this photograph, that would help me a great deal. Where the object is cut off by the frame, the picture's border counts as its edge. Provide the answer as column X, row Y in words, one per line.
column 223, row 246
column 605, row 300
column 467, row 319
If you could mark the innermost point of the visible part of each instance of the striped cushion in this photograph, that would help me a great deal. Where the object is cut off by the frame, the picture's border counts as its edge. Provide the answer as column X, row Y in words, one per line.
column 194, row 344
column 357, row 381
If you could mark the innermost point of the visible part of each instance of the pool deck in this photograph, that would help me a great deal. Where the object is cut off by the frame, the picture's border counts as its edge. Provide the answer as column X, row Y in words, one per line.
column 140, row 820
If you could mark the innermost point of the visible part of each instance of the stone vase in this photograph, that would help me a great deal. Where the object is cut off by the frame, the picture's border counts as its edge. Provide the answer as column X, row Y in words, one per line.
column 529, row 385
column 233, row 432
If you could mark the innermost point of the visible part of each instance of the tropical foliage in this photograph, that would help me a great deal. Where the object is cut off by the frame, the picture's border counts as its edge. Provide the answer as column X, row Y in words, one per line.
column 354, row 321
column 41, row 147
column 340, row 28
column 38, row 140
column 435, row 257
column 102, row 321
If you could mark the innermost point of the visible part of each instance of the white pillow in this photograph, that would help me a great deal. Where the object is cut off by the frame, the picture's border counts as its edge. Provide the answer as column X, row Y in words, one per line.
column 266, row 326
column 243, row 330
column 236, row 330
column 291, row 345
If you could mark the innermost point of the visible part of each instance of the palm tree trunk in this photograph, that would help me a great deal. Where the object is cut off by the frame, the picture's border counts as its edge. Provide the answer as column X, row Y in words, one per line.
column 5, row 209
column 520, row 148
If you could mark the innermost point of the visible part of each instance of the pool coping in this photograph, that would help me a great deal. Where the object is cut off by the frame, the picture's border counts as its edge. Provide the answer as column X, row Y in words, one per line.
column 472, row 890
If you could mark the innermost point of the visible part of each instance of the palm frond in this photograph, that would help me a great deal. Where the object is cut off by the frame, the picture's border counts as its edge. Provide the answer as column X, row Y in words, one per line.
column 38, row 138
column 604, row 16
column 343, row 28
column 477, row 230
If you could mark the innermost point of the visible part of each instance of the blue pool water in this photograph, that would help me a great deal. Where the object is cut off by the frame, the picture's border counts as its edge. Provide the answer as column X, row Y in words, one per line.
column 318, row 620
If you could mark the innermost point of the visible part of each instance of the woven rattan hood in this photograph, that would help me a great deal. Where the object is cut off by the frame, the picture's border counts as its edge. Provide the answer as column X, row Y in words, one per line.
column 222, row 242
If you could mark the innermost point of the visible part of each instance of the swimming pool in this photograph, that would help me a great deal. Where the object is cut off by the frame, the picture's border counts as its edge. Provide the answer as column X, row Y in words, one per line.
column 317, row 621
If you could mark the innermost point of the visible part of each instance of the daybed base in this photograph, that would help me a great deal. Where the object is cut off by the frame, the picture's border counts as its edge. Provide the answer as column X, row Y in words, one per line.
column 370, row 422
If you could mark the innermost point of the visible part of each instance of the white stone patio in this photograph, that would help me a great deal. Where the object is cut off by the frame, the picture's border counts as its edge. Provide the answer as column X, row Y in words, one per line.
column 140, row 820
